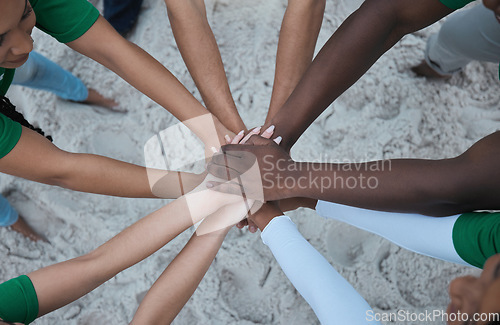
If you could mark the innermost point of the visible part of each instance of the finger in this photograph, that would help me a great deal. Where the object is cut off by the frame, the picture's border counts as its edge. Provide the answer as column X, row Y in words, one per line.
column 253, row 132
column 238, row 137
column 268, row 133
column 242, row 224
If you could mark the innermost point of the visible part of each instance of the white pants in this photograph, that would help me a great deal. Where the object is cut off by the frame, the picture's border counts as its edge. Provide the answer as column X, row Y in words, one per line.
column 468, row 35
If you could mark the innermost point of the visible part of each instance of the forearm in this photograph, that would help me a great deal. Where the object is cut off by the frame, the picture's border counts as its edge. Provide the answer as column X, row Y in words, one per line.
column 430, row 187
column 102, row 175
column 200, row 52
column 146, row 74
column 348, row 54
column 62, row 283
column 298, row 36
column 180, row 279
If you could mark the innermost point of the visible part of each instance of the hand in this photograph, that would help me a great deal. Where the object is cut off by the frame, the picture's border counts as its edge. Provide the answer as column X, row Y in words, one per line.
column 261, row 169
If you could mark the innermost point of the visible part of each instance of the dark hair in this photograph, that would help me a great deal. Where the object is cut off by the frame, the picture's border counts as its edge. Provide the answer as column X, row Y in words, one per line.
column 9, row 110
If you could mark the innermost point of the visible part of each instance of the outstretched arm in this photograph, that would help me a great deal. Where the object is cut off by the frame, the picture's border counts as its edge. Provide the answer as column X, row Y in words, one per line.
column 298, row 36
column 332, row 298
column 180, row 279
column 199, row 50
column 368, row 33
column 37, row 159
column 432, row 187
column 55, row 285
column 103, row 44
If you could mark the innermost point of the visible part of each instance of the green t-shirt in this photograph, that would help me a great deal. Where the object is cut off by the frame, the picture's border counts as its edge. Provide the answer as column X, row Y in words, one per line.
column 476, row 236
column 18, row 301
column 65, row 20
column 6, row 76
column 10, row 133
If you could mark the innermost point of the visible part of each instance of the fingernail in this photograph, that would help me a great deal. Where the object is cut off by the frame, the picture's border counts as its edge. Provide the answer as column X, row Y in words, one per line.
column 270, row 129
column 214, row 150
column 278, row 140
column 257, row 129
column 228, row 139
column 241, row 132
column 210, row 185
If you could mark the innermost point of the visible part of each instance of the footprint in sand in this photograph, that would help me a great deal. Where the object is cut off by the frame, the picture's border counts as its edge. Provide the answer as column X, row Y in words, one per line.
column 240, row 291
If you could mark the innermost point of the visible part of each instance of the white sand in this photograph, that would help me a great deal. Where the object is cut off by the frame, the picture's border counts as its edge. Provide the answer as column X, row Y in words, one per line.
column 389, row 113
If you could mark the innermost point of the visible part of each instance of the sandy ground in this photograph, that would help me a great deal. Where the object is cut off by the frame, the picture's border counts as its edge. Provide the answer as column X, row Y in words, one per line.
column 389, row 113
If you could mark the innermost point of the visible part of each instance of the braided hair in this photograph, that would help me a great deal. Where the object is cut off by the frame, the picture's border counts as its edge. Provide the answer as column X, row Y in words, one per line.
column 9, row 110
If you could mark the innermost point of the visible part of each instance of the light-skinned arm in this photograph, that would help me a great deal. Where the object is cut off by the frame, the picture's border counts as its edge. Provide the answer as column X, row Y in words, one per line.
column 298, row 36
column 104, row 45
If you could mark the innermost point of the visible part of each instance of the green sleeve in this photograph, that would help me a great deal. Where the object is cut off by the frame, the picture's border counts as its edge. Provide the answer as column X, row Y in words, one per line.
column 18, row 301
column 10, row 133
column 456, row 4
column 476, row 236
column 65, row 20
